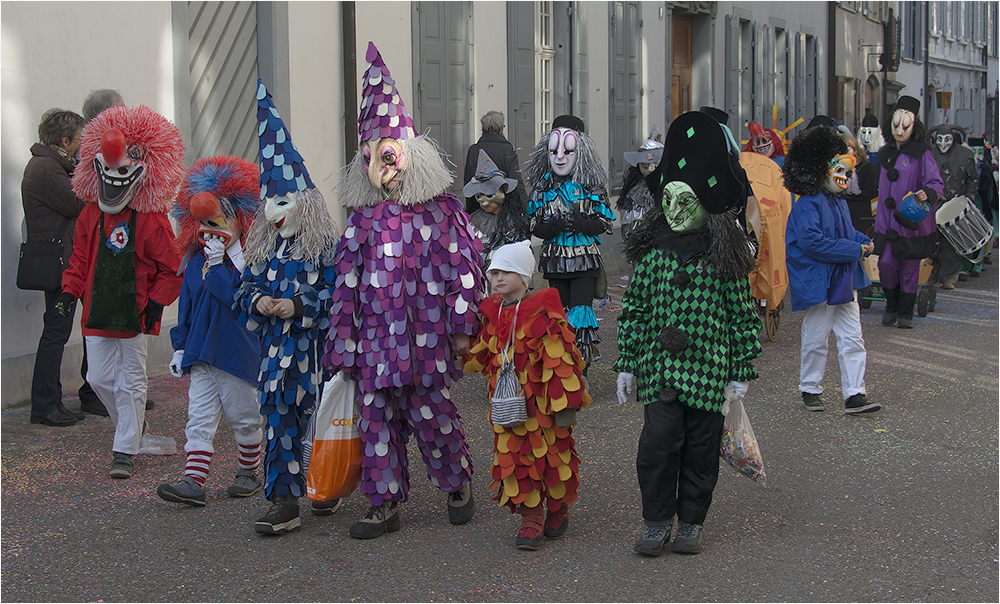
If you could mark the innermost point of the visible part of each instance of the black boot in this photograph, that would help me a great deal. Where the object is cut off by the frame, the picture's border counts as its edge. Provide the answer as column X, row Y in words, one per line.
column 281, row 518
column 905, row 310
column 891, row 305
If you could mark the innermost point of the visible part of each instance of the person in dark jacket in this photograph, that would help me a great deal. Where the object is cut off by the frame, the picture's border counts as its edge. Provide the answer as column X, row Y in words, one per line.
column 50, row 211
column 496, row 145
column 862, row 188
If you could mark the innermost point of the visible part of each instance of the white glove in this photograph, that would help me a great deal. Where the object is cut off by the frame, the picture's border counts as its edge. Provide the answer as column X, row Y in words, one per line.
column 734, row 392
column 215, row 251
column 625, row 381
column 235, row 253
column 175, row 364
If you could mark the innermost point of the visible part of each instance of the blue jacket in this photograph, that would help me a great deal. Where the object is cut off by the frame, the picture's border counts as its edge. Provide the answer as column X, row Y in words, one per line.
column 206, row 330
column 813, row 247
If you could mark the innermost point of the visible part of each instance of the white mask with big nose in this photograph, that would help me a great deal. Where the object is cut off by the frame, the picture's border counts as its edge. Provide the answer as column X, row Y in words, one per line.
column 283, row 213
column 944, row 142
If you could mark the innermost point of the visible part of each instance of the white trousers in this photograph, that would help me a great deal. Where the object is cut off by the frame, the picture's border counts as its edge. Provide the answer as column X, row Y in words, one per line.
column 845, row 321
column 214, row 393
column 116, row 370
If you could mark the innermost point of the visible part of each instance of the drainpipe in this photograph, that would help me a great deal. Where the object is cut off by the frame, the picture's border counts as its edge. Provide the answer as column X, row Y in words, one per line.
column 572, row 51
column 349, row 36
column 832, row 58
column 927, row 59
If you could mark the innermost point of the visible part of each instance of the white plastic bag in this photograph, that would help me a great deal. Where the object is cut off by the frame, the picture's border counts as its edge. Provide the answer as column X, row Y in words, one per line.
column 334, row 469
column 739, row 445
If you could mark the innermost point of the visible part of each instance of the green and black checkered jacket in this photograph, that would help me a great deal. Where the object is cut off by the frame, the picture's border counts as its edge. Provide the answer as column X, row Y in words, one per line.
column 686, row 331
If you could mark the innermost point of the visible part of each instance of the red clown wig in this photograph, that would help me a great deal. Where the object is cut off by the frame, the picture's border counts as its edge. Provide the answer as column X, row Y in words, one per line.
column 132, row 136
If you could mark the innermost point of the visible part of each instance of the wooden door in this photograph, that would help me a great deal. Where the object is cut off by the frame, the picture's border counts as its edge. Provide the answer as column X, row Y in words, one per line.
column 680, row 56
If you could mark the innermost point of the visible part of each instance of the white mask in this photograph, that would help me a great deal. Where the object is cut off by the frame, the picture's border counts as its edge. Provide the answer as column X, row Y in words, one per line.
column 283, row 213
column 562, row 150
column 902, row 125
column 944, row 142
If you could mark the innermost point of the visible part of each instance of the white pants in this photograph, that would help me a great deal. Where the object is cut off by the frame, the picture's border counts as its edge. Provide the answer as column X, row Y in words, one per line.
column 116, row 370
column 845, row 321
column 214, row 393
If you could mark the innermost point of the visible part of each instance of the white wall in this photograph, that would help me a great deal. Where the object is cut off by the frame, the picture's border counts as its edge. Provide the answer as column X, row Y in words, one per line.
column 489, row 52
column 52, row 54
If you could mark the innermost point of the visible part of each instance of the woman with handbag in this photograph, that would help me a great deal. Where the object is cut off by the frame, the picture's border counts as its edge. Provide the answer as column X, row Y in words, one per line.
column 537, row 385
column 824, row 254
column 50, row 211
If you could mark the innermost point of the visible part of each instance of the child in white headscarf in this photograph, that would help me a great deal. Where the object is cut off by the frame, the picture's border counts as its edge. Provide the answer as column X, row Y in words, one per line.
column 534, row 455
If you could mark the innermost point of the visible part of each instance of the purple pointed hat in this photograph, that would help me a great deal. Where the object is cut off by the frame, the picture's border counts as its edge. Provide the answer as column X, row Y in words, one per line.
column 281, row 167
column 382, row 114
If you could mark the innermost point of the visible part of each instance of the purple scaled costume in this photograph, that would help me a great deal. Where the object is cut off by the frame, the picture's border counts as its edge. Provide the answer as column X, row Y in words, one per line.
column 408, row 279
column 900, row 172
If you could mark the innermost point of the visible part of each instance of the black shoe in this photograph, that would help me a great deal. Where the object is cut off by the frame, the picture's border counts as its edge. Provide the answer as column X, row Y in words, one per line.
column 888, row 318
column 54, row 418
column 79, row 416
column 325, row 508
column 651, row 542
column 122, row 465
column 95, row 408
column 461, row 505
column 283, row 517
column 378, row 521
column 149, row 404
column 688, row 539
column 857, row 403
column 812, row 402
column 905, row 323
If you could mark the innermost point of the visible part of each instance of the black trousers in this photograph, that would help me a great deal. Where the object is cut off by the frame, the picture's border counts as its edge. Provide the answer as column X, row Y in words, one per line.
column 576, row 290
column 46, row 385
column 678, row 462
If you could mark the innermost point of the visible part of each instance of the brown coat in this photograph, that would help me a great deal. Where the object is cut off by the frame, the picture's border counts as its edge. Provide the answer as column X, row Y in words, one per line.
column 47, row 197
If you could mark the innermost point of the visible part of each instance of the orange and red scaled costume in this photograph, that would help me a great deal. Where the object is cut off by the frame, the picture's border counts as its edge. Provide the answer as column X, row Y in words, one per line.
column 536, row 460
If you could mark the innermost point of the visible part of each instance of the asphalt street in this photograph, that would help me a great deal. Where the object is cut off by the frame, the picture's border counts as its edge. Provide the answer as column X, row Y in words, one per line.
column 898, row 505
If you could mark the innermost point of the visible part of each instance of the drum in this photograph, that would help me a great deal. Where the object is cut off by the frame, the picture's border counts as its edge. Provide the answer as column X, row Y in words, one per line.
column 963, row 225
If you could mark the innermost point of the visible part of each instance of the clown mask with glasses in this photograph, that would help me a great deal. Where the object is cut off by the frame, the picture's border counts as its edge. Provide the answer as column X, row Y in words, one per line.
column 839, row 174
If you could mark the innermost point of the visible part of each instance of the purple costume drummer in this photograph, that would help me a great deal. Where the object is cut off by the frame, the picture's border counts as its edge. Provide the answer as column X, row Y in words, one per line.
column 905, row 165
column 409, row 281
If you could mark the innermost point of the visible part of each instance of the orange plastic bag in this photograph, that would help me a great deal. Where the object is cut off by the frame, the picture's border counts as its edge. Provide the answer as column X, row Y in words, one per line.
column 335, row 460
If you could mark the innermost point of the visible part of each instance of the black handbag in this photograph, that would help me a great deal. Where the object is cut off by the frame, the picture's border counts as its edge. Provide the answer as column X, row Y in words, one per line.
column 40, row 264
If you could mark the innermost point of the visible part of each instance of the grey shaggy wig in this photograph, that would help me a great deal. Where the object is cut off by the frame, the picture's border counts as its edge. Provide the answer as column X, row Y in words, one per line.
column 589, row 171
column 425, row 176
column 317, row 236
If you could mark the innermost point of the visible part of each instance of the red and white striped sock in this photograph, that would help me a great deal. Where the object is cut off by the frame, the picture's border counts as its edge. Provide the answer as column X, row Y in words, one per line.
column 249, row 457
column 198, row 463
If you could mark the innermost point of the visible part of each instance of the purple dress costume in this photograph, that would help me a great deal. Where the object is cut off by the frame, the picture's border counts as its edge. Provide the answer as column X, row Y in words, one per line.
column 899, row 248
column 408, row 279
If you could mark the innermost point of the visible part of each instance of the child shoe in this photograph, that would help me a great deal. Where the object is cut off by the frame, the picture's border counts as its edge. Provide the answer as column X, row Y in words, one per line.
column 857, row 403
column 812, row 402
column 556, row 523
column 246, row 484
column 461, row 505
column 688, row 540
column 529, row 536
column 281, row 518
column 121, row 465
column 186, row 490
column 379, row 520
column 650, row 543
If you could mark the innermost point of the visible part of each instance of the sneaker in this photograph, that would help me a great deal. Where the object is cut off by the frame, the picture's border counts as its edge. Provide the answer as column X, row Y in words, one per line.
column 812, row 402
column 121, row 465
column 556, row 523
column 651, row 541
column 186, row 490
column 379, row 520
column 246, row 484
column 325, row 508
column 905, row 323
column 281, row 518
column 688, row 540
column 461, row 505
column 529, row 536
column 888, row 318
column 857, row 403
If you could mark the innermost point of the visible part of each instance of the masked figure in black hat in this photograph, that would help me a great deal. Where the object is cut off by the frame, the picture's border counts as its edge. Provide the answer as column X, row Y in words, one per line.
column 569, row 210
column 500, row 216
column 634, row 198
column 688, row 333
column 905, row 231
column 957, row 166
